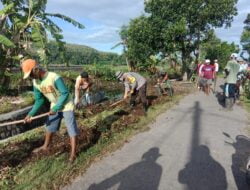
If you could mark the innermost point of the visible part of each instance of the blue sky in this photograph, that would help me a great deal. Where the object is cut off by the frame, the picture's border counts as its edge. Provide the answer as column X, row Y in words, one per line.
column 103, row 19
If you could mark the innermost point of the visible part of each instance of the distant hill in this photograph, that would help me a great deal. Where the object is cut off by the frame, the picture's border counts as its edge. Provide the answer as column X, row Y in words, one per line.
column 81, row 54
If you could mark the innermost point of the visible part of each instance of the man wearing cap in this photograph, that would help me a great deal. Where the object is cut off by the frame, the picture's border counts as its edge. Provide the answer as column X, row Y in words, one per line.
column 49, row 85
column 231, row 71
column 241, row 76
column 208, row 74
column 135, row 85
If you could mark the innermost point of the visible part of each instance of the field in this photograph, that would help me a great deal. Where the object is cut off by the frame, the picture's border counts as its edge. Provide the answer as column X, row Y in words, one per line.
column 103, row 129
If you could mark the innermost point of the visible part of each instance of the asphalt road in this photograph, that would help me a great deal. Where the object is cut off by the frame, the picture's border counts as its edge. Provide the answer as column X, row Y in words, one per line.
column 194, row 146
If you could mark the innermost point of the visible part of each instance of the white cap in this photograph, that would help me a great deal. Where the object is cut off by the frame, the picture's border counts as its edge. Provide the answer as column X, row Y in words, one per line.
column 234, row 55
column 207, row 61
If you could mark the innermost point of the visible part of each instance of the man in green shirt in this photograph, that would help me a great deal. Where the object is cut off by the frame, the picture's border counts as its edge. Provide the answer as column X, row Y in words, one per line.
column 49, row 85
column 231, row 70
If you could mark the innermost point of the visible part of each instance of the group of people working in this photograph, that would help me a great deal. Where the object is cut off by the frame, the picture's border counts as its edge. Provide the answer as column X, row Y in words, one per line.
column 50, row 86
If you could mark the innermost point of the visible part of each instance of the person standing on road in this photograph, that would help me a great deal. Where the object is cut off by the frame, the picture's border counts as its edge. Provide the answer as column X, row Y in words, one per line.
column 216, row 70
column 241, row 77
column 135, row 85
column 208, row 75
column 231, row 71
column 49, row 85
column 200, row 80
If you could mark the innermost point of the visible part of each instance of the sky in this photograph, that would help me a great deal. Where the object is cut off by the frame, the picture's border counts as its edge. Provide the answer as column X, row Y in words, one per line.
column 103, row 18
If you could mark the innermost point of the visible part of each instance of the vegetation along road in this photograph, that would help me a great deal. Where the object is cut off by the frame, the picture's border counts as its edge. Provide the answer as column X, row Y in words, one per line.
column 195, row 145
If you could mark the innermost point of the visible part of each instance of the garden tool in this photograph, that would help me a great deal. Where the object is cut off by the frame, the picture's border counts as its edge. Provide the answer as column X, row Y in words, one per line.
column 23, row 121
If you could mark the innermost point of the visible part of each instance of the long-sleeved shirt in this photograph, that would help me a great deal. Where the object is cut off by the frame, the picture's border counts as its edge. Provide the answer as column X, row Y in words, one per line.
column 133, row 81
column 233, row 68
column 53, row 88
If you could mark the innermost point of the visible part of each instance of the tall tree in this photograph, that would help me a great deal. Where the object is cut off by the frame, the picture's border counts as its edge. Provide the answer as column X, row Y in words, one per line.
column 245, row 36
column 214, row 48
column 182, row 25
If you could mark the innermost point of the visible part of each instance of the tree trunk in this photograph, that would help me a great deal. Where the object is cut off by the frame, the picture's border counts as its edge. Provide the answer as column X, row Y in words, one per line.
column 185, row 60
column 197, row 54
column 128, row 64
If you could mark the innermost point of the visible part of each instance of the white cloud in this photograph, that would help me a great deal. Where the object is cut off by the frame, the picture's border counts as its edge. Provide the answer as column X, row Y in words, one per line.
column 233, row 33
column 102, row 18
column 111, row 12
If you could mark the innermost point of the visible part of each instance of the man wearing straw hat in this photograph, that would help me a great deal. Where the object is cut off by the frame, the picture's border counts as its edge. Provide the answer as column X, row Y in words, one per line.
column 136, row 86
column 51, row 86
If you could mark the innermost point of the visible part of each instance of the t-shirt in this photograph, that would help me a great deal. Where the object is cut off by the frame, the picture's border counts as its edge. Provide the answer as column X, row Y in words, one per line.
column 133, row 81
column 233, row 68
column 199, row 68
column 243, row 67
column 53, row 88
column 216, row 67
column 208, row 71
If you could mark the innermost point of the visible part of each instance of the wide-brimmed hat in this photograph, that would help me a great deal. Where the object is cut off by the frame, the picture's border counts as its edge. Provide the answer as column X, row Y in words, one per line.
column 119, row 74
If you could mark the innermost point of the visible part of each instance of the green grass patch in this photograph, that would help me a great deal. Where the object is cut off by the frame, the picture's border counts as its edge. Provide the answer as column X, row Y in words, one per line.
column 7, row 106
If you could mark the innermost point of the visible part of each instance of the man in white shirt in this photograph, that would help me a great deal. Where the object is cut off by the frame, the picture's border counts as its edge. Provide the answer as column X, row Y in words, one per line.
column 216, row 70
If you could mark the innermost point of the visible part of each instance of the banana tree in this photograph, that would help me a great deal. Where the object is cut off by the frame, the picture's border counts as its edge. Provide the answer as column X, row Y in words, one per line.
column 25, row 27
column 124, row 37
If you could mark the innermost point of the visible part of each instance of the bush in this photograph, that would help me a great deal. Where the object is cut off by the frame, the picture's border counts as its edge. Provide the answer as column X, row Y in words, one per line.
column 106, row 72
column 174, row 73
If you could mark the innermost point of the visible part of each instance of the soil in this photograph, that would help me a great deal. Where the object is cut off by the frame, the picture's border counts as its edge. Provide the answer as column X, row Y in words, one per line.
column 19, row 154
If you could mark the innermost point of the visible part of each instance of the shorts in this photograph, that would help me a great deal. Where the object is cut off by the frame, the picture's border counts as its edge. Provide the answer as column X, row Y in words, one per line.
column 209, row 81
column 230, row 90
column 202, row 82
column 54, row 121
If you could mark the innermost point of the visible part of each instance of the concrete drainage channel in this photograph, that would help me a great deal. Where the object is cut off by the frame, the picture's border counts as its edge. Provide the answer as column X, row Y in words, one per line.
column 12, row 130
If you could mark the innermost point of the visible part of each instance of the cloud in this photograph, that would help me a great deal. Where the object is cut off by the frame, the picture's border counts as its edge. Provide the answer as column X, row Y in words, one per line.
column 102, row 18
column 233, row 33
column 111, row 12
column 102, row 34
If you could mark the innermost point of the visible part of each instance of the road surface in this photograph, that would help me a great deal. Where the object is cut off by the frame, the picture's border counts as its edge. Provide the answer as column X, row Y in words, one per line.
column 194, row 146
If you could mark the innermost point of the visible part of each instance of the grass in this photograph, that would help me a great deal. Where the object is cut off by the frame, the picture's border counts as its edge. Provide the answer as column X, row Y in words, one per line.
column 52, row 172
column 7, row 106
column 246, row 103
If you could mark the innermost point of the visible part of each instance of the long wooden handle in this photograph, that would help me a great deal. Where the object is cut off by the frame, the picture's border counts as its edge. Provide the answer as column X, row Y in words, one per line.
column 22, row 121
column 118, row 102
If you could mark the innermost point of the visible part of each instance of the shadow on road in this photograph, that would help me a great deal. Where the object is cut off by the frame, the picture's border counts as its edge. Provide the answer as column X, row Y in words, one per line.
column 239, row 160
column 145, row 175
column 202, row 172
